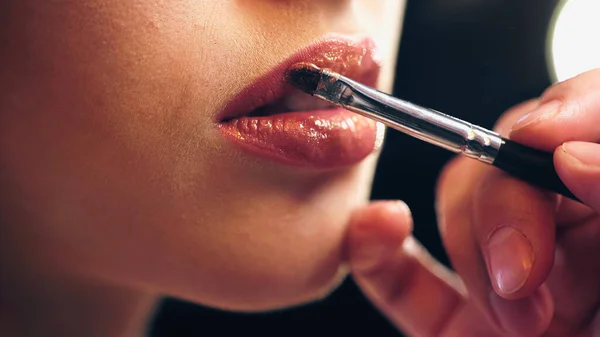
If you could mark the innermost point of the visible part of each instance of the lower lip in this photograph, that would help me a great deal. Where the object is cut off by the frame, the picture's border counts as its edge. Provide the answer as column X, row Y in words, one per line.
column 323, row 139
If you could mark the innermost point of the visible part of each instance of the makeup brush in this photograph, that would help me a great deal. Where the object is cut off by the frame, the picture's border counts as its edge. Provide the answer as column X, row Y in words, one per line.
column 526, row 163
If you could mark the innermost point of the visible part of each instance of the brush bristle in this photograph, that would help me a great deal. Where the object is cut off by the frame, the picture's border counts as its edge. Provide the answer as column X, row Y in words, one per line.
column 304, row 76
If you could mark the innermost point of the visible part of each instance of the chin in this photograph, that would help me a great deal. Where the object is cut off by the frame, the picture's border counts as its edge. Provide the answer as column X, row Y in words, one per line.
column 271, row 251
column 264, row 288
column 267, row 300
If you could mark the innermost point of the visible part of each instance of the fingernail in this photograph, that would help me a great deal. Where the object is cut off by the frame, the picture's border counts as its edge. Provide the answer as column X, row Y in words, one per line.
column 510, row 257
column 523, row 317
column 586, row 153
column 543, row 112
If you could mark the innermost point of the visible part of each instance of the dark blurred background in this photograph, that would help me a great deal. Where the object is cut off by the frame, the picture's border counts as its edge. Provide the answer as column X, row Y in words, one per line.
column 470, row 58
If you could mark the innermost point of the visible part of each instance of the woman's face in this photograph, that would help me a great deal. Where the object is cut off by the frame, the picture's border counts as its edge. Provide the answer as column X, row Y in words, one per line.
column 132, row 150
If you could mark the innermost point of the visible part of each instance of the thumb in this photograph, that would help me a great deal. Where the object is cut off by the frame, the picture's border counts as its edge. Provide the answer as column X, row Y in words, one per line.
column 578, row 165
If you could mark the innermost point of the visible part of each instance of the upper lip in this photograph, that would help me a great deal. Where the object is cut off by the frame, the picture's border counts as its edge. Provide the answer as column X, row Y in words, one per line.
column 351, row 56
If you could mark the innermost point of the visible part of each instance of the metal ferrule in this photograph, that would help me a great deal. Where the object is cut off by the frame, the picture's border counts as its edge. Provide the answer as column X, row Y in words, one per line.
column 426, row 124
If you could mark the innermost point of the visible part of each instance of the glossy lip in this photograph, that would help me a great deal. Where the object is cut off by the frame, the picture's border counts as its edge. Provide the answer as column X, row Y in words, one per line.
column 320, row 139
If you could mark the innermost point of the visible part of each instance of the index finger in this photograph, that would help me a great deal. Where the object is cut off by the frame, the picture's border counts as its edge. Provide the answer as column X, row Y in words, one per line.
column 567, row 111
column 413, row 290
column 477, row 201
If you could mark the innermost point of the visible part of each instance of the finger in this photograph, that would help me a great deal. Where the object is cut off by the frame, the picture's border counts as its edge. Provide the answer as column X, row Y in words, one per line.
column 575, row 277
column 509, row 118
column 514, row 229
column 567, row 111
column 512, row 223
column 515, row 225
column 578, row 165
column 464, row 239
column 547, row 132
column 576, row 268
column 576, row 274
column 376, row 232
column 569, row 211
column 415, row 298
column 416, row 293
column 528, row 316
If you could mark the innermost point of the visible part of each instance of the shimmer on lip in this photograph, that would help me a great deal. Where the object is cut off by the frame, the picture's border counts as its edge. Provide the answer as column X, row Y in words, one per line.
column 275, row 121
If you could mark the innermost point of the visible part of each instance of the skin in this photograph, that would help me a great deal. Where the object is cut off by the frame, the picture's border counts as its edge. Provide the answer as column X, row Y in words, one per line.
column 117, row 187
column 550, row 288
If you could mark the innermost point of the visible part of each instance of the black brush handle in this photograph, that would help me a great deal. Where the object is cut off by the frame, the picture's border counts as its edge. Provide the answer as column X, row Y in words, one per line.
column 531, row 165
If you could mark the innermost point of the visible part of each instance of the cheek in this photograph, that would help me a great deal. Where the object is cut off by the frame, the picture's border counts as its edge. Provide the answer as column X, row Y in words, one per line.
column 113, row 66
column 383, row 20
column 103, row 91
column 103, row 122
